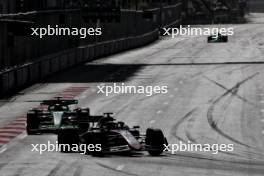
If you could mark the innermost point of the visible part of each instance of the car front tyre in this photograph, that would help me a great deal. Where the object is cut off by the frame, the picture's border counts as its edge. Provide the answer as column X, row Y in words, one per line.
column 155, row 140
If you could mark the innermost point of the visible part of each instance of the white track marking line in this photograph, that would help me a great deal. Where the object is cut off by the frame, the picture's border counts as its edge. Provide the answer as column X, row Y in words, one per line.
column 22, row 136
column 3, row 150
column 120, row 167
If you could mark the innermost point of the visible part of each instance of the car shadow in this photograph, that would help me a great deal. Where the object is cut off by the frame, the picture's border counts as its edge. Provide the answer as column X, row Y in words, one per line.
column 90, row 73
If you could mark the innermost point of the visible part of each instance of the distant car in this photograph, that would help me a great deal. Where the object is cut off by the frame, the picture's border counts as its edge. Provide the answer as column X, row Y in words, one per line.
column 217, row 38
column 113, row 137
column 48, row 120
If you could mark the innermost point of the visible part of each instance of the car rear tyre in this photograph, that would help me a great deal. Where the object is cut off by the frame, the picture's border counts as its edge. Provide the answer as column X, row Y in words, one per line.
column 32, row 123
column 98, row 139
column 68, row 140
column 32, row 132
column 83, row 119
column 155, row 140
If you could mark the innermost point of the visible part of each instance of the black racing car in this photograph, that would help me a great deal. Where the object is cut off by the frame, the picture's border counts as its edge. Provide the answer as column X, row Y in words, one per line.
column 111, row 136
column 48, row 120
column 217, row 38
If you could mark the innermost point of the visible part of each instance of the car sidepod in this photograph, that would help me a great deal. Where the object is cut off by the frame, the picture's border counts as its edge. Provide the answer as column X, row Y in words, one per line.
column 131, row 140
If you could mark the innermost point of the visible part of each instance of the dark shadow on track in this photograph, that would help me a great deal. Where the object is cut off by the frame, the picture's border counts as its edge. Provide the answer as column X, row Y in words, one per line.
column 185, row 63
column 89, row 73
column 108, row 72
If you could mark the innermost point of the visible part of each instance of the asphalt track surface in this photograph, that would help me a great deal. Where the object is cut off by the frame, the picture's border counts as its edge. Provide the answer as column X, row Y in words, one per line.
column 216, row 96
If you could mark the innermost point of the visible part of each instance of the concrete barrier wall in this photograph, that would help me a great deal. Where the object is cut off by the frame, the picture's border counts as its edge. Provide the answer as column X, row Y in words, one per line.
column 16, row 78
column 41, row 67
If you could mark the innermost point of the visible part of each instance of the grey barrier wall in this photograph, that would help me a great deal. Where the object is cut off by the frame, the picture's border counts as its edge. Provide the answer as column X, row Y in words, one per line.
column 33, row 59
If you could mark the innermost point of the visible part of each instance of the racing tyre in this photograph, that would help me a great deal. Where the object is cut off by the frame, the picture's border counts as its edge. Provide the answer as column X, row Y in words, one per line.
column 32, row 123
column 98, row 139
column 83, row 118
column 155, row 140
column 68, row 139
column 32, row 132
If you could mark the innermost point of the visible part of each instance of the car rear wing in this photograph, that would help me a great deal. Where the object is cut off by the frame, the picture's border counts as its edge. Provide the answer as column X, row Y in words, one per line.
column 82, row 118
column 90, row 119
column 63, row 102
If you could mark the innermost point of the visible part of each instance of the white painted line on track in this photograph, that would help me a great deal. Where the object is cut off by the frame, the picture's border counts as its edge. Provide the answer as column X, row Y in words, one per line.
column 120, row 167
column 22, row 136
column 3, row 150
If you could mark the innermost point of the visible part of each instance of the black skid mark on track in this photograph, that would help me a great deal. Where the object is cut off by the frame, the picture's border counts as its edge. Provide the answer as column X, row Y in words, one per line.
column 224, row 108
column 177, row 125
column 233, row 92
column 210, row 119
column 55, row 170
column 193, row 140
column 113, row 169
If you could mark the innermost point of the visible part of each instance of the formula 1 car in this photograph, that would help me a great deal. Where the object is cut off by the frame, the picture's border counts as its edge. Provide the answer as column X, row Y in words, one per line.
column 218, row 38
column 49, row 120
column 112, row 137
